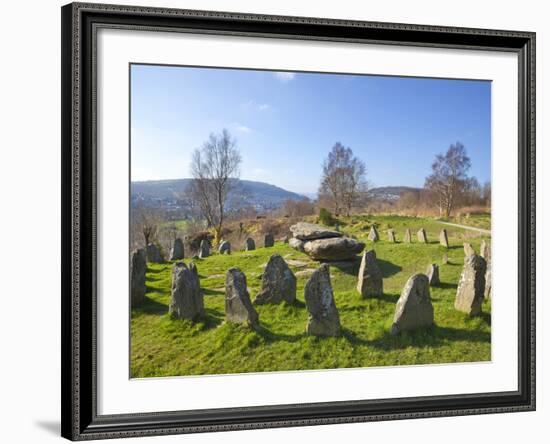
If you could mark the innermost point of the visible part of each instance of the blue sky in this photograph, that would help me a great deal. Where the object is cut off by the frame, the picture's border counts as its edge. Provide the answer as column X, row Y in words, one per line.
column 286, row 123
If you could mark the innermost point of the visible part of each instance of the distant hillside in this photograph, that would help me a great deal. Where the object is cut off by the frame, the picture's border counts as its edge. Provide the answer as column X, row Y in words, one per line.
column 390, row 194
column 172, row 194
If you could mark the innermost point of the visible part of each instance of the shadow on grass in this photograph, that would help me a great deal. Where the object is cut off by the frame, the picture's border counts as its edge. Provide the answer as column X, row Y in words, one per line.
column 446, row 286
column 388, row 268
column 211, row 292
column 434, row 336
column 150, row 306
column 270, row 336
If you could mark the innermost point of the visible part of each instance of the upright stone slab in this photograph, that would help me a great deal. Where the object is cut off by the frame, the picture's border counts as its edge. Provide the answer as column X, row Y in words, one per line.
column 268, row 240
column 278, row 282
column 485, row 253
column 204, row 249
column 138, row 267
column 433, row 274
column 249, row 244
column 485, row 250
column 468, row 249
column 369, row 279
column 421, row 235
column 238, row 308
column 445, row 259
column 407, row 237
column 373, row 234
column 225, row 247
column 177, row 253
column 443, row 239
column 187, row 299
column 391, row 236
column 324, row 319
column 414, row 308
column 471, row 287
column 488, row 284
column 154, row 255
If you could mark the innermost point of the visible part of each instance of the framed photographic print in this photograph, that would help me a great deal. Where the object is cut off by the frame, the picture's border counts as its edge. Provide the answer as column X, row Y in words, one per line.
column 280, row 221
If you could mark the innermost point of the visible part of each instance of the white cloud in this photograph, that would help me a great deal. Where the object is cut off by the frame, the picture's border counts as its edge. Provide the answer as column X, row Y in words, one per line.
column 263, row 106
column 285, row 76
column 260, row 174
column 243, row 129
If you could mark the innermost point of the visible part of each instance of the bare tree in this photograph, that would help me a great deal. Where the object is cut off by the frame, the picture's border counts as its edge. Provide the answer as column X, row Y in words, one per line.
column 146, row 222
column 448, row 178
column 213, row 167
column 343, row 179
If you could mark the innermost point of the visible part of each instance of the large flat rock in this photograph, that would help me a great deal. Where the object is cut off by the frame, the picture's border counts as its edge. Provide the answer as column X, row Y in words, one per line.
column 333, row 249
column 307, row 231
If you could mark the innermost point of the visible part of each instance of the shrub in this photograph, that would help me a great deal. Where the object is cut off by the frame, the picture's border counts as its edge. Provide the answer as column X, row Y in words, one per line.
column 325, row 217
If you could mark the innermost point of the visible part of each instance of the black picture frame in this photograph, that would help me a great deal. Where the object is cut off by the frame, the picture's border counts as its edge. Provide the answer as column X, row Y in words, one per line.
column 80, row 420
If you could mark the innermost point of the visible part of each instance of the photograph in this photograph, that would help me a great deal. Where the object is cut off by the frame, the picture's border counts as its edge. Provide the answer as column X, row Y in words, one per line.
column 298, row 221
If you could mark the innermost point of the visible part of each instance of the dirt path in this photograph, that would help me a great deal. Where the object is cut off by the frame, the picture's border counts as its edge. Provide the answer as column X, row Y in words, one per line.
column 479, row 230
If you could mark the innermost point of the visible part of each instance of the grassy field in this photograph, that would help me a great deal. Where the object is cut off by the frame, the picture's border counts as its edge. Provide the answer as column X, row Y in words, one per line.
column 161, row 346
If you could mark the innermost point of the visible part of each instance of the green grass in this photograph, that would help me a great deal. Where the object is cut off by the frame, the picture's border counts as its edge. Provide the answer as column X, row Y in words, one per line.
column 161, row 346
column 474, row 220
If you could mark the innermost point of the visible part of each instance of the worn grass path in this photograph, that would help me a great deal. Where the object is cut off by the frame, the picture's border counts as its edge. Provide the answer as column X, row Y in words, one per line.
column 161, row 346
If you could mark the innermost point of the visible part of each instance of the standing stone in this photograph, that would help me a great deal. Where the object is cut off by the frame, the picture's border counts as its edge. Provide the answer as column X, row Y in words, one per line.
column 445, row 259
column 187, row 299
column 154, row 254
column 278, row 283
column 177, row 252
column 485, row 250
column 488, row 287
column 323, row 315
column 391, row 236
column 268, row 240
column 238, row 308
column 443, row 239
column 414, row 308
column 225, row 247
column 433, row 274
column 369, row 280
column 204, row 249
column 471, row 286
column 407, row 237
column 138, row 267
column 373, row 234
column 468, row 249
column 421, row 235
column 249, row 244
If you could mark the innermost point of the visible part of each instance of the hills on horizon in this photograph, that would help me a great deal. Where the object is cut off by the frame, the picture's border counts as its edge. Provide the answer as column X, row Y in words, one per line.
column 261, row 195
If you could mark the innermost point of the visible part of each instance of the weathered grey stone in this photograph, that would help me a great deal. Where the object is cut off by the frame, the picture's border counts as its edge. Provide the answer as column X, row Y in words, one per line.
column 177, row 252
column 297, row 244
column 471, row 287
column 485, row 250
column 421, row 235
column 278, row 283
column 433, row 274
column 369, row 279
column 204, row 249
column 488, row 285
column 443, row 239
column 324, row 319
column 154, row 255
column 468, row 249
column 138, row 267
column 249, row 244
column 391, row 235
column 373, row 234
column 306, row 231
column 414, row 308
column 333, row 249
column 268, row 240
column 187, row 299
column 238, row 308
column 407, row 237
column 445, row 259
column 225, row 247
